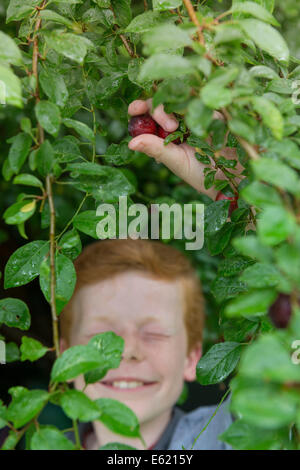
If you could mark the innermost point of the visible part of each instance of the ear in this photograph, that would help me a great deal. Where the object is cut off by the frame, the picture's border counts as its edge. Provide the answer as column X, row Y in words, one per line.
column 191, row 363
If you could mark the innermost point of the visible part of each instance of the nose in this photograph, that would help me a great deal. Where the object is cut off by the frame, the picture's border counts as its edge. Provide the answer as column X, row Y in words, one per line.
column 132, row 348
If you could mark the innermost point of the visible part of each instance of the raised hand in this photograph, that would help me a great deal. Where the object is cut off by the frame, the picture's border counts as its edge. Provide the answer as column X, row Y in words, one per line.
column 180, row 159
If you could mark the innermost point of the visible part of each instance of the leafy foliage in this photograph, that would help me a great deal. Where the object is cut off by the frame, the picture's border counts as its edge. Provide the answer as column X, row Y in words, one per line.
column 68, row 79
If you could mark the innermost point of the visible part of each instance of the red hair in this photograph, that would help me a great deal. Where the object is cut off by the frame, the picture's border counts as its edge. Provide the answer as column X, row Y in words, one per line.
column 104, row 259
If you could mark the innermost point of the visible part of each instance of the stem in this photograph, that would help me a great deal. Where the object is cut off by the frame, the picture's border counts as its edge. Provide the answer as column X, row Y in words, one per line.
column 193, row 16
column 212, row 416
column 77, row 212
column 41, row 138
column 52, row 264
column 127, row 46
column 77, row 438
column 145, row 5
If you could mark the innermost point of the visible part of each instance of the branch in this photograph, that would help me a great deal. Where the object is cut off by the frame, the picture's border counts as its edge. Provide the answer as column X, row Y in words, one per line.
column 41, row 138
column 193, row 16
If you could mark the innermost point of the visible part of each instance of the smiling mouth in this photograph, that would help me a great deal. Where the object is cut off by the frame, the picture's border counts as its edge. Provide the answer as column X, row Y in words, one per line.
column 127, row 385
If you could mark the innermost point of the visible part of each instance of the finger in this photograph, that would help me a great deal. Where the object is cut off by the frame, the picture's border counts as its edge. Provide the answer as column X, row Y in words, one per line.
column 138, row 107
column 180, row 159
column 167, row 121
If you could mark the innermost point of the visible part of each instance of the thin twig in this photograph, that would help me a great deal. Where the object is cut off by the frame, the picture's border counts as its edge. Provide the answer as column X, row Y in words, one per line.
column 212, row 416
column 41, row 137
column 193, row 16
column 127, row 46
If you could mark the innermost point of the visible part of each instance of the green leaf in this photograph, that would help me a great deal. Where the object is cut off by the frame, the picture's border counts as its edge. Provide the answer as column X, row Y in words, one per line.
column 81, row 128
column 165, row 37
column 54, row 86
column 25, row 406
column 218, row 363
column 108, row 85
column 275, row 225
column 9, row 51
column 11, row 441
column 215, row 215
column 75, row 361
column 3, row 421
column 239, row 329
column 165, row 66
column 70, row 244
column 118, row 417
column 77, row 405
column 51, row 15
column 198, row 117
column 271, row 116
column 19, row 150
column 19, row 9
column 12, row 352
column 228, row 33
column 215, row 96
column 118, row 154
column 111, row 347
column 276, row 172
column 10, row 88
column 28, row 180
column 144, row 22
column 259, row 194
column 44, row 158
column 31, row 349
column 243, row 436
column 255, row 302
column 50, row 439
column 87, row 222
column 14, row 313
column 232, row 266
column 269, row 360
column 49, row 117
column 23, row 265
column 103, row 182
column 19, row 212
column 256, row 10
column 224, row 288
column 162, row 5
column 288, row 260
column 262, row 71
column 71, row 45
column 267, row 38
column 218, row 241
column 265, row 407
column 116, row 446
column 253, row 275
column 287, row 150
column 66, row 149
column 122, row 11
column 252, row 247
column 65, row 280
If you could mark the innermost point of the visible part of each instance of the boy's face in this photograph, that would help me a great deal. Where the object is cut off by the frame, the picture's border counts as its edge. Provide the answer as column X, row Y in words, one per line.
column 148, row 314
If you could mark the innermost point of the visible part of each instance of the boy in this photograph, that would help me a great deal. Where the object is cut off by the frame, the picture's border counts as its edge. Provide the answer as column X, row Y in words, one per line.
column 148, row 293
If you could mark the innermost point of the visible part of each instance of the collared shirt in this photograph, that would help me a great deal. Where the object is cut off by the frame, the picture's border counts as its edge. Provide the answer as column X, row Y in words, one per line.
column 183, row 429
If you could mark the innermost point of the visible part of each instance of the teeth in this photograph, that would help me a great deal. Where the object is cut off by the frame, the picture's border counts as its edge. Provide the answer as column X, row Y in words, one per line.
column 123, row 384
